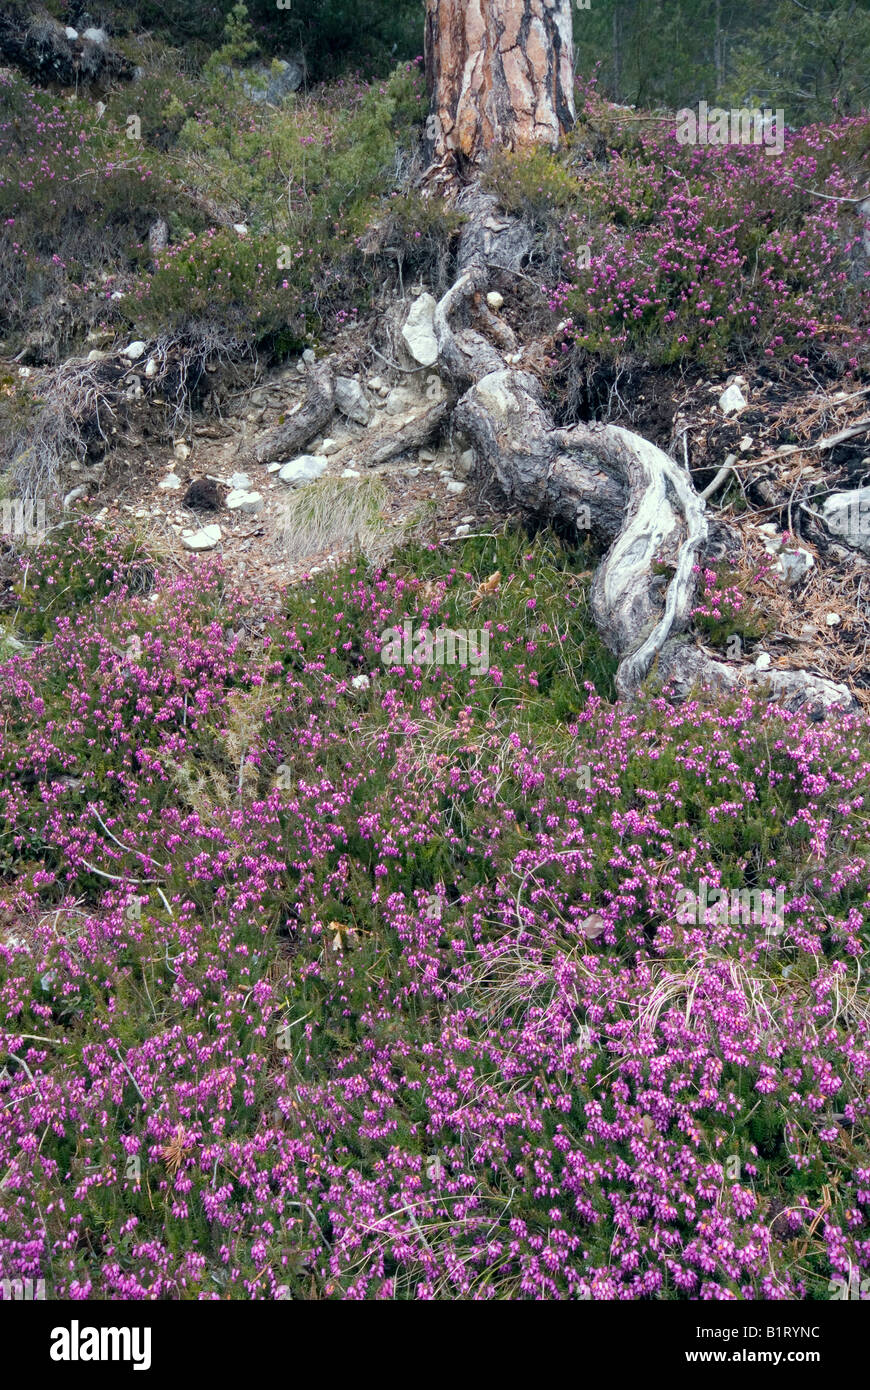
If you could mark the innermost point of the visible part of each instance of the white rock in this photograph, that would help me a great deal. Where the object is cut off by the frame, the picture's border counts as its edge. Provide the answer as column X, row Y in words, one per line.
column 360, row 682
column 464, row 463
column 95, row 36
column 133, row 351
column 795, row 564
column 456, row 488
column 746, row 443
column 240, row 482
column 151, row 367
column 240, row 500
column 274, row 468
column 425, row 456
column 399, row 400
column 462, row 530
column 495, row 300
column 419, row 333
column 240, row 228
column 171, row 483
column 375, row 383
column 328, row 447
column 847, row 514
column 117, row 294
column 763, row 662
column 206, row 538
column 350, row 473
column 96, row 356
column 304, row 469
column 833, row 619
column 351, row 400
column 72, row 34
column 308, row 357
column 732, row 400
column 181, row 449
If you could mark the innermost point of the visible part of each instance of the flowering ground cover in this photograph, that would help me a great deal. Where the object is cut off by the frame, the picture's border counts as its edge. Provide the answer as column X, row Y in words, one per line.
column 322, row 987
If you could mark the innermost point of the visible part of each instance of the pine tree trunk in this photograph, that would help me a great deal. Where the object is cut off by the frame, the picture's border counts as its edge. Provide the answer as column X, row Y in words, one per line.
column 500, row 75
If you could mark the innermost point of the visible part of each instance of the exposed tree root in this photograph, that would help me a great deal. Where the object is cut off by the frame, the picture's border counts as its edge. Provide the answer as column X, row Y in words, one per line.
column 412, row 435
column 602, row 478
column 314, row 414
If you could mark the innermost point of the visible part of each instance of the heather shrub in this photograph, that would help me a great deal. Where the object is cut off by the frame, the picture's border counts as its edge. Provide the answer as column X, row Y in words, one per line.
column 420, row 235
column 533, row 183
column 708, row 254
column 330, row 988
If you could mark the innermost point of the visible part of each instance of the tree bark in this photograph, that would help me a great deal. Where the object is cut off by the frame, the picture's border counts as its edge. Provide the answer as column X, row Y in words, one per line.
column 500, row 75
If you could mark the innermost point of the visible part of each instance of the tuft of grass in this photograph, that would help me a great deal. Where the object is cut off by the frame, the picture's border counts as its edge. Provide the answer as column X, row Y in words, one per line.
column 337, row 514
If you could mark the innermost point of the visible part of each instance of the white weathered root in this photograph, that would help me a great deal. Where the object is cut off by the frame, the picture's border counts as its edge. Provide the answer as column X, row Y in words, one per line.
column 683, row 669
column 665, row 520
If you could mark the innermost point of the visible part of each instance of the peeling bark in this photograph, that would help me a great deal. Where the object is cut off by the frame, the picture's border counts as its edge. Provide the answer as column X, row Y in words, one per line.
column 500, row 75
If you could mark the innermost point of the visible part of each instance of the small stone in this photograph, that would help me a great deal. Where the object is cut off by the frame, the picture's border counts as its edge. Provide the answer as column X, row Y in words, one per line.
column 732, row 400
column 399, row 400
column 375, row 383
column 360, row 683
column 181, row 449
column 763, row 662
column 240, row 482
column 171, row 483
column 151, row 367
column 304, row 469
column 795, row 564
column 95, row 36
column 495, row 300
column 350, row 473
column 96, row 356
column 425, row 456
column 133, row 351
column 308, row 357
column 241, row 500
column 350, row 399
column 746, row 443
column 72, row 34
column 328, row 447
column 462, row 530
column 464, row 463
column 833, row 619
column 240, row 229
column 456, row 488
column 206, row 538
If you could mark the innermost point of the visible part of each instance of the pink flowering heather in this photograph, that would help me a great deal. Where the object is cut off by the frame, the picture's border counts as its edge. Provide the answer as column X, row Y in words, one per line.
column 381, row 991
